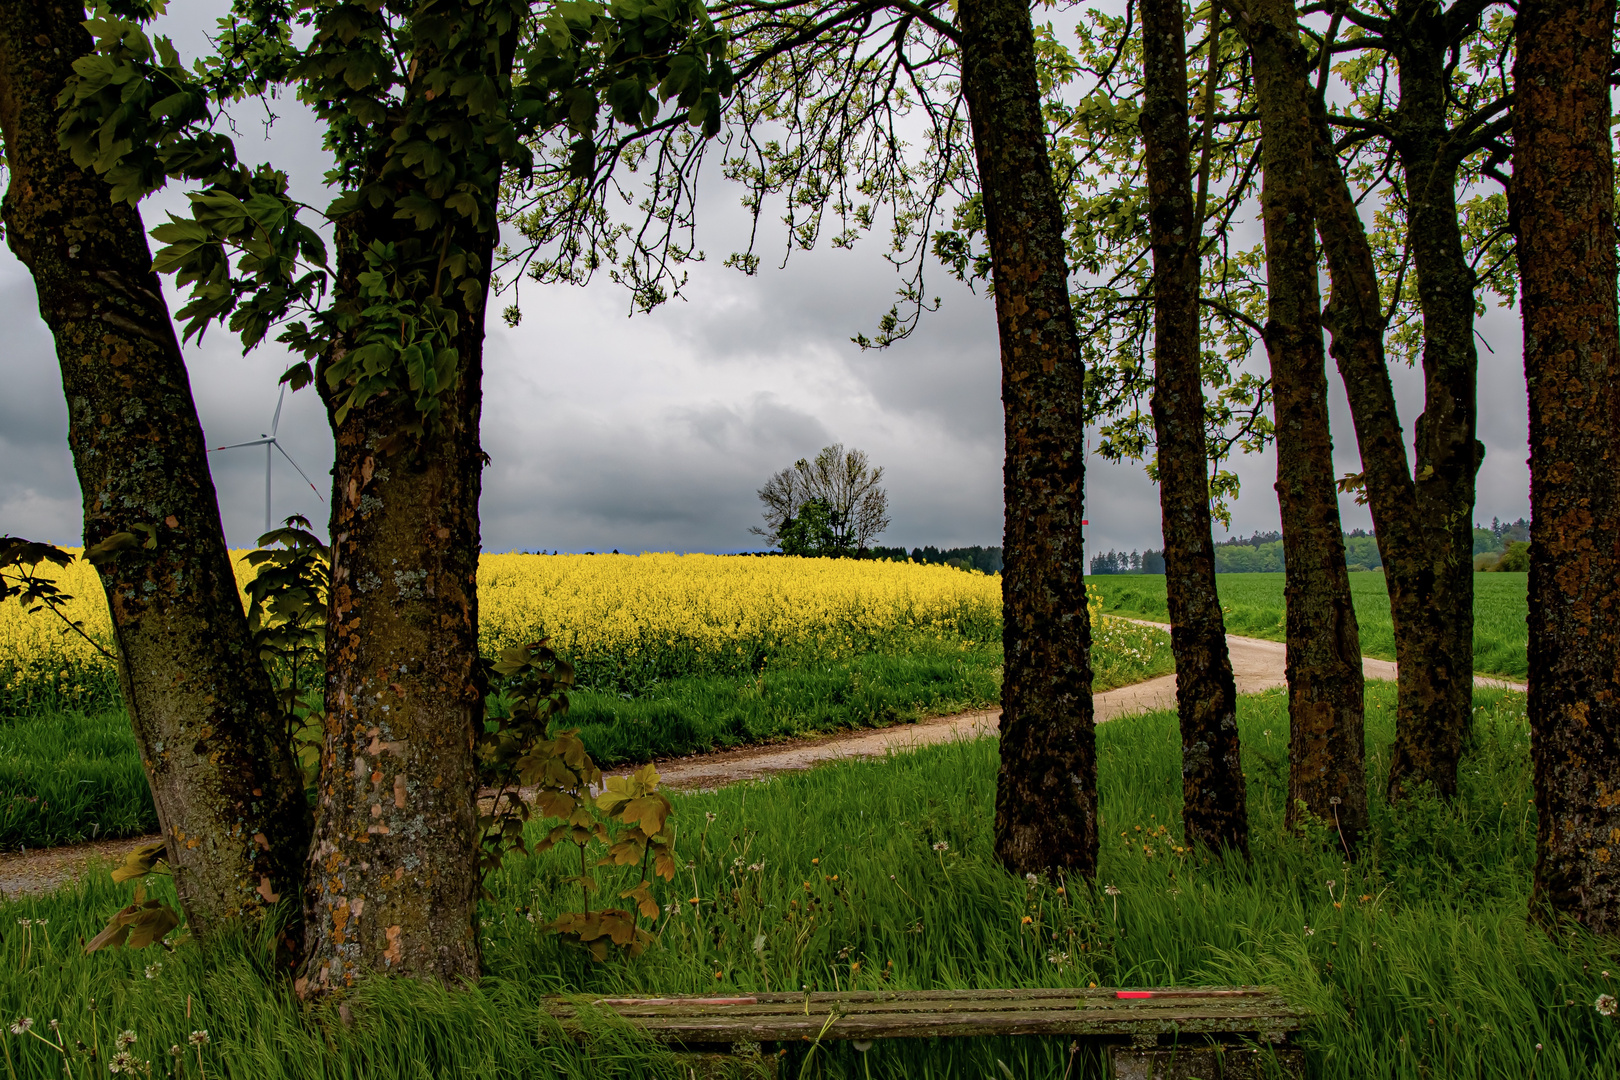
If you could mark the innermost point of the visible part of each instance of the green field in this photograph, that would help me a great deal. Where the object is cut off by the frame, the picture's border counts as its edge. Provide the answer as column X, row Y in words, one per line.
column 1416, row 961
column 68, row 775
column 1254, row 607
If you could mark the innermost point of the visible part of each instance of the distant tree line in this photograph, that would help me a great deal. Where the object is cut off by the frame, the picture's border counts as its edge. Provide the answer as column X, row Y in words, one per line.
column 986, row 560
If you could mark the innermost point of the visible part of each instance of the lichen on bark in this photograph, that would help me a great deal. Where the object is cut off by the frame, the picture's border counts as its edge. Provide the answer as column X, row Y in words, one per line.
column 1046, row 793
column 1563, row 208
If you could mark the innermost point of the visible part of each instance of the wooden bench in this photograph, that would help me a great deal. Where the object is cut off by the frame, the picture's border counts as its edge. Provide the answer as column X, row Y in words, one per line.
column 1214, row 1033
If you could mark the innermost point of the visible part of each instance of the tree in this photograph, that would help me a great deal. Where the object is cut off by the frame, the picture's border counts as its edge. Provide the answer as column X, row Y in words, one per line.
column 1327, row 776
column 428, row 105
column 810, row 532
column 1214, row 795
column 1563, row 203
column 1450, row 110
column 1046, row 792
column 229, row 798
column 848, row 505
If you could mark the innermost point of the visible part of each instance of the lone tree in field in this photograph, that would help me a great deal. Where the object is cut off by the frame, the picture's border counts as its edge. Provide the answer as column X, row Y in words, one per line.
column 830, row 506
column 1563, row 200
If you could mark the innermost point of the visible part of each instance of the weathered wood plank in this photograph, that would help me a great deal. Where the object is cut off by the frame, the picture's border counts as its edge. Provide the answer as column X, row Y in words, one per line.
column 673, row 1009
column 932, row 1025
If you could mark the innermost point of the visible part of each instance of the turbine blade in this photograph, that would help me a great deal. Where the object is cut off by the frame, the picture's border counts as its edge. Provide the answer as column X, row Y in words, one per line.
column 234, row 445
column 301, row 472
column 277, row 418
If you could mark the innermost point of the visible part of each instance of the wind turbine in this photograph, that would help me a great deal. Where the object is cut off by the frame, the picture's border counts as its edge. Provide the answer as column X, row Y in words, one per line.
column 269, row 443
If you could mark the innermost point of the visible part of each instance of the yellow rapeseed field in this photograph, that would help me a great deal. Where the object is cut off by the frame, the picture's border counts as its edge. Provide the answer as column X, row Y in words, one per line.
column 659, row 614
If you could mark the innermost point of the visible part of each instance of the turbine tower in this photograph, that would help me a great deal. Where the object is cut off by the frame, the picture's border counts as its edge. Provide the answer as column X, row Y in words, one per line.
column 269, row 443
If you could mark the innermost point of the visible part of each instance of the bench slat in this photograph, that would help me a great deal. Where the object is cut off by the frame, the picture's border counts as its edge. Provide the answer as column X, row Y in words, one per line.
column 929, row 1025
column 772, row 1017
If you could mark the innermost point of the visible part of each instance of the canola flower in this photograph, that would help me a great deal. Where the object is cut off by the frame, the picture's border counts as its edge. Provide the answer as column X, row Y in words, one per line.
column 626, row 621
column 622, row 619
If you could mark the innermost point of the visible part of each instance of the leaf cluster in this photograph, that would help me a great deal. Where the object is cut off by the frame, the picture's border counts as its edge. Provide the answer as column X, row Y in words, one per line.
column 535, row 772
column 286, row 613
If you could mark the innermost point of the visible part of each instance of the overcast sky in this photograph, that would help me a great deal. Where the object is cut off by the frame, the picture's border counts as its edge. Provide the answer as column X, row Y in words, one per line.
column 653, row 432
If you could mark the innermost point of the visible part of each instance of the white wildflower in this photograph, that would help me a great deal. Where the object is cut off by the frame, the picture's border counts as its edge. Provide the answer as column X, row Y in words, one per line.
column 198, row 1038
column 21, row 1025
column 1605, row 1005
column 125, row 1040
column 153, row 969
column 942, row 846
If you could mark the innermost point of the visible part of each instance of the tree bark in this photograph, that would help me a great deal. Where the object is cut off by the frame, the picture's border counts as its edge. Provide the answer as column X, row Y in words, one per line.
column 1214, row 800
column 1046, row 795
column 1326, row 749
column 393, row 878
column 1432, row 574
column 229, row 798
column 1563, row 202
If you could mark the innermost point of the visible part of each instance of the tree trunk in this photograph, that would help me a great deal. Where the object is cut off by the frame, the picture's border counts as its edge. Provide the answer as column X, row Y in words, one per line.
column 229, row 797
column 1326, row 749
column 1432, row 581
column 1046, row 795
column 1563, row 202
column 393, row 873
column 1214, row 801
column 394, row 880
column 1420, row 550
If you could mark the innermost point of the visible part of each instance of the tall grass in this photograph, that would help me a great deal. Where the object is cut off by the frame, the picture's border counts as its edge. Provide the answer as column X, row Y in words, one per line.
column 68, row 776
column 1254, row 607
column 1416, row 959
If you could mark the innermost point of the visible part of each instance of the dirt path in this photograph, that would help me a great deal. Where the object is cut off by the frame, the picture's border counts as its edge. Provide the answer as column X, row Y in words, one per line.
column 1257, row 665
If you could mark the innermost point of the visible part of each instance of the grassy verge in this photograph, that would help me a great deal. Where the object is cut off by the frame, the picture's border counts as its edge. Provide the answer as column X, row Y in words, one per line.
column 1417, row 960
column 67, row 776
column 1254, row 607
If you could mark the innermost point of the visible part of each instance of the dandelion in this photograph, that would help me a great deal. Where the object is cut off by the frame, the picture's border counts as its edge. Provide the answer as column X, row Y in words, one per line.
column 1605, row 1005
column 1027, row 921
column 942, row 846
column 21, row 1025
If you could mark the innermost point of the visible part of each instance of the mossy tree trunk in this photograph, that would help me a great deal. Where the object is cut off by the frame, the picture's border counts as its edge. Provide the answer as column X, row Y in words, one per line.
column 1430, row 566
column 393, row 877
column 1326, row 750
column 1563, row 203
column 1046, row 794
column 1214, row 800
column 229, row 796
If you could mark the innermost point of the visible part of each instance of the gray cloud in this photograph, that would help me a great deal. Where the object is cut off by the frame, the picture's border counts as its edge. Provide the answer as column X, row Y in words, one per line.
column 653, row 432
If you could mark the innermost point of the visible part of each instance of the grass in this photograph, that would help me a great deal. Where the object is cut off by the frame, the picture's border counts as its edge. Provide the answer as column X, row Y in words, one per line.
column 1254, row 607
column 68, row 776
column 1416, row 960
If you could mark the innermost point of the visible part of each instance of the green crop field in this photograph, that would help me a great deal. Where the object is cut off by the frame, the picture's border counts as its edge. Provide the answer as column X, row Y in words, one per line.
column 1254, row 607
column 1416, row 961
column 68, row 774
